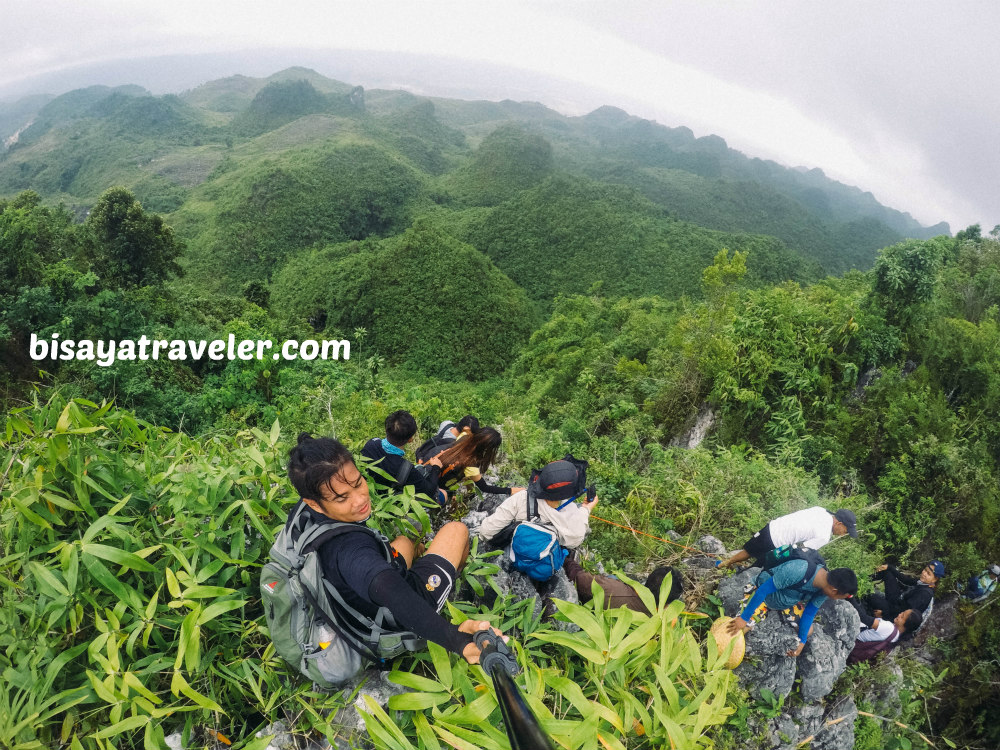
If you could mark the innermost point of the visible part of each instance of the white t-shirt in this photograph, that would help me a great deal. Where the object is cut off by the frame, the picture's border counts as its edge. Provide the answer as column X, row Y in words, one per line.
column 811, row 527
column 879, row 633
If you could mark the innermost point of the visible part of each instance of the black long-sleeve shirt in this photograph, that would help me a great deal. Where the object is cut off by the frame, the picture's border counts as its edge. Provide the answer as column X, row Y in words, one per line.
column 424, row 480
column 355, row 565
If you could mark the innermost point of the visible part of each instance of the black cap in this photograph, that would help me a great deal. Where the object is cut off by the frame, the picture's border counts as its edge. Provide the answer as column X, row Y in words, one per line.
column 849, row 520
column 557, row 481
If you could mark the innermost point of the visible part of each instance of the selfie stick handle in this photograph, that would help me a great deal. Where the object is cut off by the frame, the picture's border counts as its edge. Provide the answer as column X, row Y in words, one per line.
column 523, row 729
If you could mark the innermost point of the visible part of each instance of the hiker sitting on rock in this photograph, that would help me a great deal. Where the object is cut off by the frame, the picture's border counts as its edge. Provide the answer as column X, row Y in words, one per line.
column 982, row 585
column 903, row 592
column 413, row 591
column 618, row 593
column 883, row 635
column 811, row 528
column 798, row 580
column 466, row 459
column 388, row 454
column 556, row 487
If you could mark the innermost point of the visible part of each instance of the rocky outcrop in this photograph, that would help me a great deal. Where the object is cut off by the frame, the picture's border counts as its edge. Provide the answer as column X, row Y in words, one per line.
column 699, row 430
column 767, row 667
column 824, row 658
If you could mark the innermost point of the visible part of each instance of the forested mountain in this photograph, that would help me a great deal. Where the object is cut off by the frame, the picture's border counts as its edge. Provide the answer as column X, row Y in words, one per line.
column 174, row 153
column 598, row 285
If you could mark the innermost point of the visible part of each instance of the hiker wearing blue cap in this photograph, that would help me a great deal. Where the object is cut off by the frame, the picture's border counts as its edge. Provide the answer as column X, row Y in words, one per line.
column 902, row 592
column 810, row 528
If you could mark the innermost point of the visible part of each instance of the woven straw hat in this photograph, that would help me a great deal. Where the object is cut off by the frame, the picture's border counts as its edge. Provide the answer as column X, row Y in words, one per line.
column 722, row 638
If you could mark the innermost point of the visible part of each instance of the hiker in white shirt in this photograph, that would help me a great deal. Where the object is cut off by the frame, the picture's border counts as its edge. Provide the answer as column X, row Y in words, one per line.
column 811, row 527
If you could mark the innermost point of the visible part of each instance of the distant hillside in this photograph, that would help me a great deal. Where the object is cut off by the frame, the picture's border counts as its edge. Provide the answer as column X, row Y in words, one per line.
column 253, row 169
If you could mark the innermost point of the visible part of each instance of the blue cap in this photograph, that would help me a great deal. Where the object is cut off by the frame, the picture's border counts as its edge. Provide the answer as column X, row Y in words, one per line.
column 938, row 568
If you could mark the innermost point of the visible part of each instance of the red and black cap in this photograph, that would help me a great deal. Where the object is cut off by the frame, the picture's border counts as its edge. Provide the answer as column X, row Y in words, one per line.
column 558, row 481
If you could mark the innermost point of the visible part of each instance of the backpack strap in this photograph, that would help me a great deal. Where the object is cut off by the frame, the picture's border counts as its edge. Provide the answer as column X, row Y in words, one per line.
column 532, row 503
column 359, row 631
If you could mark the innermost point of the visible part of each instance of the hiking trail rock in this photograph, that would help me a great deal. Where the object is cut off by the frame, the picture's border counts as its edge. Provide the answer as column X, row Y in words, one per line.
column 767, row 665
column 824, row 658
column 711, row 545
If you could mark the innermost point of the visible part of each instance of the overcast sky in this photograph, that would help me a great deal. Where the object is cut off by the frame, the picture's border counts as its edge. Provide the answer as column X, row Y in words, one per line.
column 901, row 98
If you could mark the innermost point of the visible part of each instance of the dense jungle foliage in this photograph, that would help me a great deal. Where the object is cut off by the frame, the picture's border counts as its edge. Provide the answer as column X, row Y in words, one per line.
column 592, row 285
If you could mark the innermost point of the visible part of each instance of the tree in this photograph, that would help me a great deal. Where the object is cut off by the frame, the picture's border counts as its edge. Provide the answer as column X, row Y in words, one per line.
column 129, row 247
column 904, row 278
column 31, row 237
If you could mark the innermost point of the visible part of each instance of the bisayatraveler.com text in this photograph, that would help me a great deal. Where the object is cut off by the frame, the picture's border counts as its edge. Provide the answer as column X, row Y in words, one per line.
column 106, row 353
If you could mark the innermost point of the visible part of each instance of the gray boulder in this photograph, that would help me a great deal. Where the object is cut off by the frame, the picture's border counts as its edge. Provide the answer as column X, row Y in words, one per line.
column 883, row 693
column 710, row 545
column 942, row 625
column 837, row 731
column 767, row 665
column 780, row 733
column 473, row 520
column 732, row 589
column 281, row 738
column 824, row 658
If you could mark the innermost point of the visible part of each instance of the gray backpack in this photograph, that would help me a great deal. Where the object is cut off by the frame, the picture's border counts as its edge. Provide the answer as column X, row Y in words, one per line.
column 311, row 625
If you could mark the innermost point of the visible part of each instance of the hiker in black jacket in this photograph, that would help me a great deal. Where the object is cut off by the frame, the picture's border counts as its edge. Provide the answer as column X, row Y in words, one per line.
column 388, row 454
column 413, row 588
column 902, row 592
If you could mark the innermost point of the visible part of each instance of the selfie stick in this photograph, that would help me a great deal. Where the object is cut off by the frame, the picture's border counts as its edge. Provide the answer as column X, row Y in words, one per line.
column 523, row 729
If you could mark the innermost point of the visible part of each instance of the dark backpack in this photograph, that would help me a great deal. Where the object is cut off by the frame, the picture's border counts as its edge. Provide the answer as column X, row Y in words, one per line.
column 790, row 552
column 311, row 625
column 865, row 650
column 432, row 446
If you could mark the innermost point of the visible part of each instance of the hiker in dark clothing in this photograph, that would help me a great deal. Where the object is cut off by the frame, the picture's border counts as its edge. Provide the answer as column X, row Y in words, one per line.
column 467, row 459
column 618, row 593
column 413, row 589
column 902, row 592
column 388, row 455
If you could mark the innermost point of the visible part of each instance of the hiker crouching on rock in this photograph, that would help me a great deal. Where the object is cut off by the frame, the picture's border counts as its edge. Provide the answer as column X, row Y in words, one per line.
column 388, row 454
column 811, row 528
column 323, row 472
column 556, row 485
column 883, row 635
column 791, row 582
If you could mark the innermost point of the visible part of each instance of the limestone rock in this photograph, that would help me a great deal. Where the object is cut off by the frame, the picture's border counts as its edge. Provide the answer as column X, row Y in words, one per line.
column 767, row 665
column 941, row 625
column 824, row 658
column 281, row 738
column 837, row 732
column 883, row 694
column 710, row 545
column 732, row 589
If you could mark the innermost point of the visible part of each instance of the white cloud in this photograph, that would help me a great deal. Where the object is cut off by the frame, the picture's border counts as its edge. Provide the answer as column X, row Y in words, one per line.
column 630, row 52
